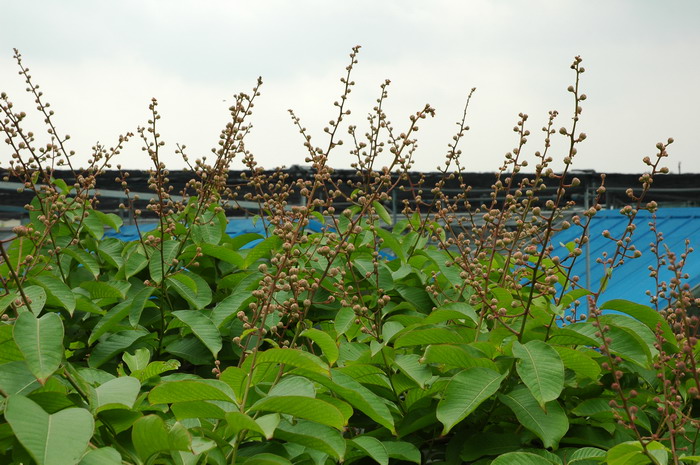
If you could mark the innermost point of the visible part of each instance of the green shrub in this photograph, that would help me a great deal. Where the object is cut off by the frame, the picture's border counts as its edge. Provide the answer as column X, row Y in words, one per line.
column 471, row 346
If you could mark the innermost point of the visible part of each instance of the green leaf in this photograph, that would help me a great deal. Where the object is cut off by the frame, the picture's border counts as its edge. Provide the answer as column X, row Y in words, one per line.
column 520, row 458
column 373, row 447
column 452, row 311
column 647, row 315
column 540, row 368
column 159, row 263
column 41, row 342
column 391, row 242
column 417, row 297
column 267, row 459
column 15, row 378
column 402, row 450
column 238, row 422
column 110, row 219
column 410, row 366
column 630, row 453
column 227, row 308
column 102, row 290
column 58, row 439
column 419, row 337
column 224, row 254
column 325, row 342
column 57, row 293
column 262, row 250
column 154, row 369
column 550, row 425
column 102, row 456
column 291, row 357
column 579, row 362
column 456, row 356
column 135, row 263
column 192, row 288
column 113, row 345
column 150, row 436
column 302, row 407
column 138, row 303
column 87, row 260
column 383, row 214
column 585, row 455
column 110, row 250
column 202, row 327
column 356, row 395
column 197, row 409
column 120, row 391
column 206, row 234
column 465, row 392
column 314, row 436
column 109, row 321
column 9, row 352
column 189, row 390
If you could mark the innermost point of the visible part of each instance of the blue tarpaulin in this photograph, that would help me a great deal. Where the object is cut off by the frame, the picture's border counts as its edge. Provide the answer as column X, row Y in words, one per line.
column 631, row 280
column 235, row 227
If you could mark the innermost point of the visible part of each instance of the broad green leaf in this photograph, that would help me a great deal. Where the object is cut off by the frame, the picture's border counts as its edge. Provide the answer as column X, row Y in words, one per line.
column 452, row 311
column 58, row 439
column 550, row 425
column 206, row 234
column 382, row 213
column 113, row 345
column 192, row 288
column 102, row 456
column 302, row 407
column 624, row 342
column 647, row 315
column 154, row 369
column 632, row 453
column 228, row 307
column 150, row 436
column 373, row 447
column 268, row 424
column 189, row 390
column 109, row 219
column 579, row 362
column 138, row 361
column 391, row 242
column 465, row 392
column 110, row 250
column 520, row 458
column 15, row 378
column 121, row 391
column 540, row 368
column 224, row 254
column 267, row 459
column 57, row 293
column 243, row 239
column 585, row 455
column 238, row 422
column 356, row 395
column 262, row 250
column 344, row 320
column 402, row 450
column 138, row 303
column 202, row 327
column 109, row 321
column 9, row 352
column 102, row 290
column 135, row 263
column 82, row 257
column 410, row 365
column 292, row 385
column 197, row 409
column 292, row 357
column 93, row 225
column 417, row 297
column 41, row 342
column 314, row 436
column 159, row 263
column 456, row 356
column 419, row 337
column 325, row 342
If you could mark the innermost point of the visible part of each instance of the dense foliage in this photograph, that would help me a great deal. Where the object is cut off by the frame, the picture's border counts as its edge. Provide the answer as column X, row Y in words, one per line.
column 450, row 336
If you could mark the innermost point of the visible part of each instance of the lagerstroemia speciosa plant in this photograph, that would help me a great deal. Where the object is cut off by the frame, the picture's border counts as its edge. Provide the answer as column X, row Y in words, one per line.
column 444, row 332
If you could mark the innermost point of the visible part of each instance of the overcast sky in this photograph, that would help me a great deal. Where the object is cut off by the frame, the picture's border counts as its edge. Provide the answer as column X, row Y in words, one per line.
column 100, row 62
